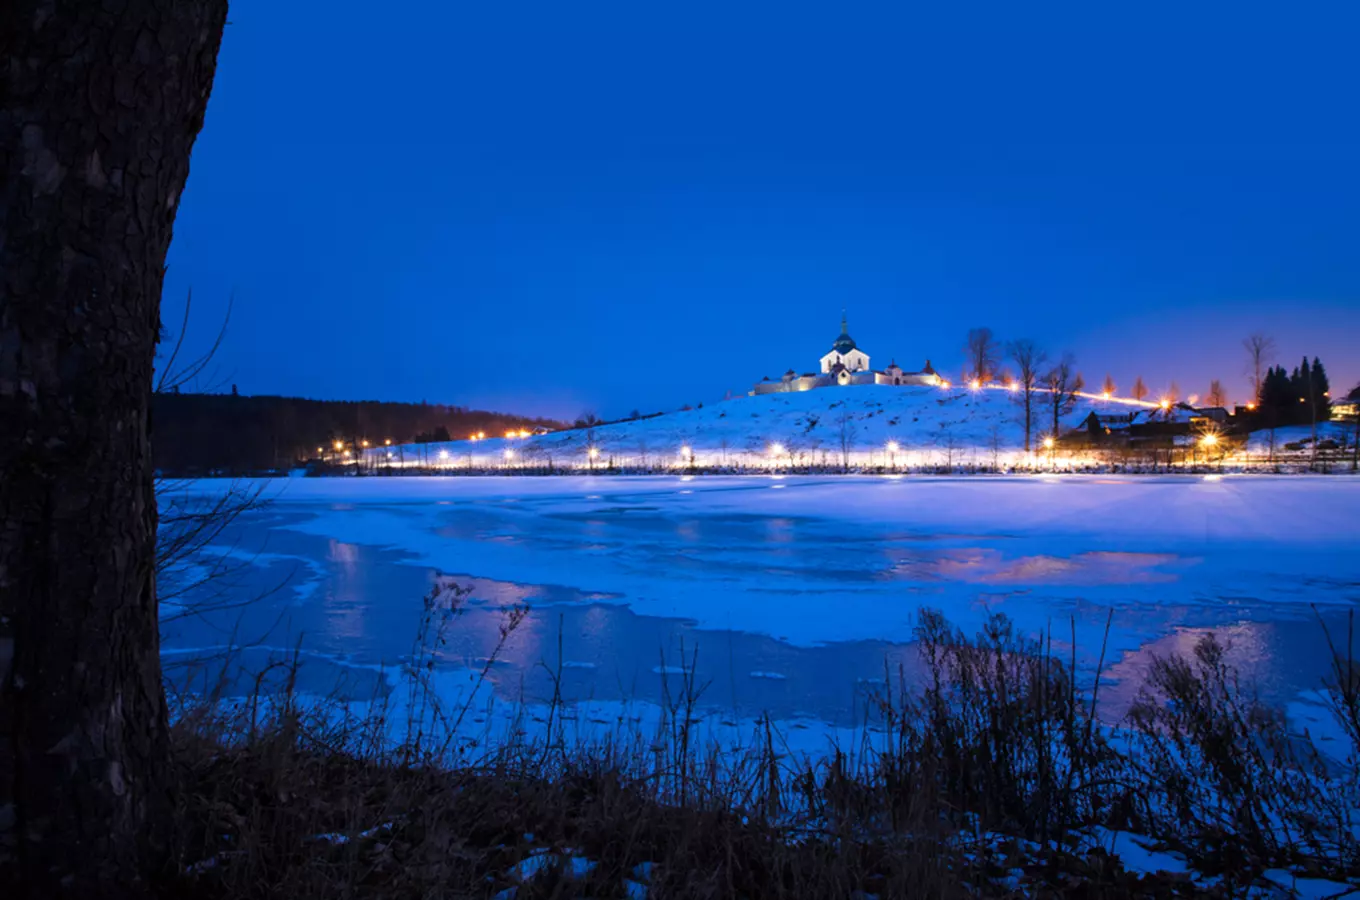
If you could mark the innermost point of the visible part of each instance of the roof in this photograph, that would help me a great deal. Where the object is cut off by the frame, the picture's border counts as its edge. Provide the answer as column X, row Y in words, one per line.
column 845, row 343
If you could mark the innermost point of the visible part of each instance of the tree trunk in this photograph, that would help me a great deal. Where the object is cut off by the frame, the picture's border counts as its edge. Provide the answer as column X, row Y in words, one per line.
column 102, row 105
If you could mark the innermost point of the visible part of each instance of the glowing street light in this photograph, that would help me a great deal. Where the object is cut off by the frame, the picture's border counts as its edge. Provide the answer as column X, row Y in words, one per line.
column 893, row 447
column 1165, row 404
column 512, row 433
column 1209, row 440
column 443, row 454
column 594, row 452
column 686, row 453
column 975, row 384
column 387, row 443
column 1048, row 443
column 339, row 445
column 1251, row 407
column 481, row 435
column 1013, row 387
column 365, row 443
column 1104, row 395
column 776, row 449
column 509, row 454
column 320, row 450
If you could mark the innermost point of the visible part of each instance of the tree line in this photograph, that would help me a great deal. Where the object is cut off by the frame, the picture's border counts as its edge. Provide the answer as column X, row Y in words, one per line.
column 200, row 433
column 1050, row 388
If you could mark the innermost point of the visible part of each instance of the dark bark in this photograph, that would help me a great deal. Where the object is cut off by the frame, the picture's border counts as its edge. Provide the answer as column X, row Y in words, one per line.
column 101, row 107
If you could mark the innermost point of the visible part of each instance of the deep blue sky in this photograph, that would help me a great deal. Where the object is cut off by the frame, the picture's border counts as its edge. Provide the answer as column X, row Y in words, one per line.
column 554, row 207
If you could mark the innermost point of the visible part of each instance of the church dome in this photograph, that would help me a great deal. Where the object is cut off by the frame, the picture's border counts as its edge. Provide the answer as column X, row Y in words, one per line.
column 845, row 343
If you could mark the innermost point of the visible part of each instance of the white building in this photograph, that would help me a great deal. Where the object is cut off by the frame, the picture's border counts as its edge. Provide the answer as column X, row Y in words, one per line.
column 845, row 354
column 846, row 364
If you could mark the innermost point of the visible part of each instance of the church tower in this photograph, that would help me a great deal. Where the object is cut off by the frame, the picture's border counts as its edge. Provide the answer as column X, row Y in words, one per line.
column 845, row 353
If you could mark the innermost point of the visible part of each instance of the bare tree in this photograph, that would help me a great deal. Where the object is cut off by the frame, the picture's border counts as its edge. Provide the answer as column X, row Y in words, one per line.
column 1028, row 359
column 1063, row 382
column 984, row 353
column 949, row 443
column 1140, row 390
column 95, row 140
column 1260, row 354
column 1216, row 396
column 846, row 430
column 1109, row 388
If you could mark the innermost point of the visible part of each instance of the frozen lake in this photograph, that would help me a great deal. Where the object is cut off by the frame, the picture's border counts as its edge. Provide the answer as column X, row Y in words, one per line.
column 795, row 593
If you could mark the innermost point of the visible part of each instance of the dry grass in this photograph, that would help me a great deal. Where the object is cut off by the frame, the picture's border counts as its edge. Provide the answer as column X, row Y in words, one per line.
column 994, row 772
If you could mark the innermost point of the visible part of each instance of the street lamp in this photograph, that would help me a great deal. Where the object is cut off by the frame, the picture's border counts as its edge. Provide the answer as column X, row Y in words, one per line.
column 686, row 456
column 1049, row 444
column 776, row 451
column 892, row 449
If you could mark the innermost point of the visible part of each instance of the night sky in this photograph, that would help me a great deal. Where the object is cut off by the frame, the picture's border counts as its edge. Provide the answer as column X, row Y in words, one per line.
column 560, row 207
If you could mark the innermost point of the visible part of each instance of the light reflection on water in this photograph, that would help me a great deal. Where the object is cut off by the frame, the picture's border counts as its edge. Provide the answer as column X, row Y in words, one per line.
column 363, row 612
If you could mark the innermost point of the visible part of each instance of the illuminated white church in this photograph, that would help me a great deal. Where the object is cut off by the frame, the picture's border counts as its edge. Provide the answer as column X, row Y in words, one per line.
column 847, row 364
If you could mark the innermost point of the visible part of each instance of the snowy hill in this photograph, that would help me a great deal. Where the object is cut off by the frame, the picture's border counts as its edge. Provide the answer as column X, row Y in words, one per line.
column 879, row 424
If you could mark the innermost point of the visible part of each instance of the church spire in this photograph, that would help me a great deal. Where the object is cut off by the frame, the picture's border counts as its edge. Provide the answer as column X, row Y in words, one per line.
column 845, row 329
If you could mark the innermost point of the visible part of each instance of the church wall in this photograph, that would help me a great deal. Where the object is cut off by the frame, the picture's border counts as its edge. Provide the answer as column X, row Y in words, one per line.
column 854, row 360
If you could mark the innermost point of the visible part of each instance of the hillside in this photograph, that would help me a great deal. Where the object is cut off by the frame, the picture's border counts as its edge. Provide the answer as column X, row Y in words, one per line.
column 199, row 433
column 928, row 426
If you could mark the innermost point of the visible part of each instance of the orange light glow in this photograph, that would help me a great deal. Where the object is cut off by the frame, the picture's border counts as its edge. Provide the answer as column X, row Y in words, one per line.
column 1012, row 387
column 1166, row 404
column 1048, row 443
column 387, row 442
column 365, row 443
column 1209, row 440
column 976, row 384
column 1105, row 395
column 512, row 433
column 339, row 445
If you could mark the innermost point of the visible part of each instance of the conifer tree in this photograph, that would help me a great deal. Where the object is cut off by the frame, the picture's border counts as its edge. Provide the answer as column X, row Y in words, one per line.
column 1109, row 386
column 1321, row 392
column 1140, row 390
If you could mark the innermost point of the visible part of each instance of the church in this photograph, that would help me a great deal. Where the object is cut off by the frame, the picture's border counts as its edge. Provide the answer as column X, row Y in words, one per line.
column 847, row 364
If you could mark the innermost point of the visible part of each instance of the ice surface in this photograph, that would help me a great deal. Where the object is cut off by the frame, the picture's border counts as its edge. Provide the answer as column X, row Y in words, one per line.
column 823, row 563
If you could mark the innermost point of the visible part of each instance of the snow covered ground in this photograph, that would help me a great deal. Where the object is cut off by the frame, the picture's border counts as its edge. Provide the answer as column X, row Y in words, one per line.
column 925, row 425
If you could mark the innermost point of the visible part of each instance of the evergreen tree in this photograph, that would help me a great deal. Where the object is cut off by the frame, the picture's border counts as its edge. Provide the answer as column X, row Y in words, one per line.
column 1278, row 399
column 1140, row 390
column 1321, row 392
column 1300, row 383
